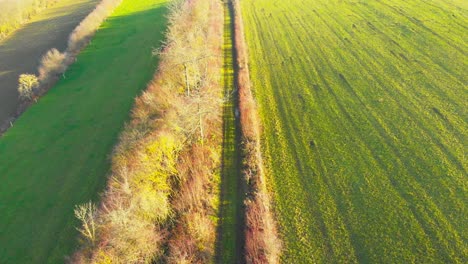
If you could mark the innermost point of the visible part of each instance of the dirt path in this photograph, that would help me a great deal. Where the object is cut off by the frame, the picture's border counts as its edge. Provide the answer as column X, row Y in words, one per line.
column 22, row 50
column 230, row 232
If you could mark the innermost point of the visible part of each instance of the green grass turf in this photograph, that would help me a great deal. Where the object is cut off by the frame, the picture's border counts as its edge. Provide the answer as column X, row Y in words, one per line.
column 56, row 155
column 364, row 109
column 230, row 239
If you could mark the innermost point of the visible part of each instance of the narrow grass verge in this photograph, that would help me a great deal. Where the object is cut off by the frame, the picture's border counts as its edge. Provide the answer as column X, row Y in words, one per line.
column 231, row 222
column 262, row 244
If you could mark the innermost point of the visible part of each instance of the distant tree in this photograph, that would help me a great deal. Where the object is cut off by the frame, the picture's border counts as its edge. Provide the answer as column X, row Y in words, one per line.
column 27, row 84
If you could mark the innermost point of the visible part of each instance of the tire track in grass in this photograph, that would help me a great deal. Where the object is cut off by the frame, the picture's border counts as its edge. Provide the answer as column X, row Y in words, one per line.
column 231, row 220
column 325, row 229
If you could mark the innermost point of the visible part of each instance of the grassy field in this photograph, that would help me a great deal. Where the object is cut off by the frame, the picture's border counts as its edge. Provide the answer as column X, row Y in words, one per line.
column 56, row 154
column 23, row 49
column 364, row 108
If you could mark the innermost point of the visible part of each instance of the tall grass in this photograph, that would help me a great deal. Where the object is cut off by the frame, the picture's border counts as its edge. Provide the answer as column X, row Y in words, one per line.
column 262, row 244
column 161, row 199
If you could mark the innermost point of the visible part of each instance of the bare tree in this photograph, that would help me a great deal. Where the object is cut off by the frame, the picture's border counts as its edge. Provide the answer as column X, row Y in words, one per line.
column 86, row 213
column 27, row 84
column 52, row 64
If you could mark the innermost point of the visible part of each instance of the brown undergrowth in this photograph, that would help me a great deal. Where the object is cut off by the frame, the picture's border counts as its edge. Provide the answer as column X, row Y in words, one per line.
column 262, row 244
column 161, row 201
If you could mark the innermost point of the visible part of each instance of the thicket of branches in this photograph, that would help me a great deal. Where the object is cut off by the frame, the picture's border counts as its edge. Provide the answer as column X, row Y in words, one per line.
column 193, row 236
column 161, row 199
column 14, row 13
column 262, row 244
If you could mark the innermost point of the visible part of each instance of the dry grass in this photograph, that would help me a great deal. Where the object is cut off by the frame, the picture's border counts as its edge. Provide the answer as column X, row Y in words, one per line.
column 262, row 244
column 162, row 191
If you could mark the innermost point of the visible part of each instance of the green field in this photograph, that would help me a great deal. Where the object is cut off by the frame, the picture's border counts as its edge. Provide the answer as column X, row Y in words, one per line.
column 55, row 156
column 364, row 110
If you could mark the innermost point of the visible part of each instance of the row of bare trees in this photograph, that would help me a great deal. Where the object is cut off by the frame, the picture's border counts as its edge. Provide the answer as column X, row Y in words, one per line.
column 160, row 202
column 54, row 63
column 262, row 244
column 14, row 13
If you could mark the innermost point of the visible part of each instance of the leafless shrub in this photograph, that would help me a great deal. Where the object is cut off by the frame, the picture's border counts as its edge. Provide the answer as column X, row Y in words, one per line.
column 26, row 85
column 52, row 64
column 86, row 213
column 193, row 237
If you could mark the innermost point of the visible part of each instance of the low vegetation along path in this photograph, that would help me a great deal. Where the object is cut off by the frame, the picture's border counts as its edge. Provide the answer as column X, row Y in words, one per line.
column 230, row 233
column 21, row 52
column 55, row 155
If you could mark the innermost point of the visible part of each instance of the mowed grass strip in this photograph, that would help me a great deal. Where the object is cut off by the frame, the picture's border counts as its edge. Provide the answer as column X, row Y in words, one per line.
column 230, row 237
column 56, row 154
column 364, row 108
